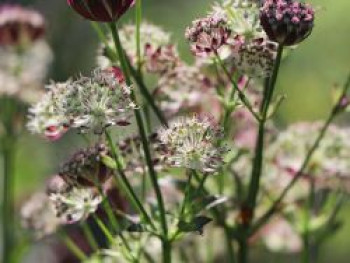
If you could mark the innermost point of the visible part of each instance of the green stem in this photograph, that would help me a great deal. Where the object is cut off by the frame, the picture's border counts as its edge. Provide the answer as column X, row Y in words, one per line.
column 89, row 236
column 166, row 245
column 335, row 111
column 142, row 131
column 126, row 184
column 187, row 195
column 241, row 94
column 73, row 247
column 254, row 185
column 229, row 246
column 259, row 149
column 138, row 19
column 8, row 198
column 242, row 250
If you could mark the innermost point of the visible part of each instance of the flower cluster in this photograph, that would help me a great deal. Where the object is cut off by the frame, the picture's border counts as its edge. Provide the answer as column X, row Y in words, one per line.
column 192, row 144
column 157, row 54
column 76, row 204
column 328, row 165
column 38, row 215
column 19, row 26
column 89, row 103
column 287, row 22
column 86, row 168
column 209, row 34
column 25, row 56
column 242, row 17
column 254, row 57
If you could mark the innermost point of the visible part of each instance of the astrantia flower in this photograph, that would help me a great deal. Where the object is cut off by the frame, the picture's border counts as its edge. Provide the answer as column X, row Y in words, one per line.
column 19, row 25
column 101, row 10
column 85, row 168
column 157, row 53
column 330, row 162
column 253, row 57
column 287, row 22
column 47, row 116
column 75, row 204
column 192, row 143
column 22, row 73
column 89, row 103
column 242, row 17
column 209, row 34
column 38, row 215
column 182, row 89
column 280, row 236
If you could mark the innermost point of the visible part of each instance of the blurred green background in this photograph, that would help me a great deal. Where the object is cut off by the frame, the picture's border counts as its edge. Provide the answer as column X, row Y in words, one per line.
column 307, row 78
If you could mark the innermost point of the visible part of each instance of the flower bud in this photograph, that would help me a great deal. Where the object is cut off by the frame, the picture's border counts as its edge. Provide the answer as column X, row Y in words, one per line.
column 19, row 25
column 287, row 22
column 101, row 11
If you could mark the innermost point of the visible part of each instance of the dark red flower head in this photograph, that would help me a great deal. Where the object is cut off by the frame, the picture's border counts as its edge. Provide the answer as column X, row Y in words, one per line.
column 101, row 10
column 19, row 25
column 287, row 22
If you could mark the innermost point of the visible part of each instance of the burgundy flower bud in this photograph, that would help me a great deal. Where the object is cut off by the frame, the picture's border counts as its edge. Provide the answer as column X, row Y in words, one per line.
column 101, row 10
column 19, row 25
column 287, row 22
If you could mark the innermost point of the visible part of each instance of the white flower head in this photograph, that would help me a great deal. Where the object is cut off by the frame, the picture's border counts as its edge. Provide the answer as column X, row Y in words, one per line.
column 37, row 214
column 192, row 143
column 330, row 162
column 156, row 48
column 98, row 102
column 253, row 57
column 242, row 17
column 89, row 103
column 75, row 204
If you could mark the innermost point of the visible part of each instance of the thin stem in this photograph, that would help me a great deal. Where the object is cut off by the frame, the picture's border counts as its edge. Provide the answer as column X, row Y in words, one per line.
column 241, row 94
column 8, row 198
column 187, row 194
column 166, row 245
column 335, row 111
column 89, row 236
column 229, row 245
column 138, row 19
column 142, row 132
column 259, row 149
column 126, row 184
column 73, row 247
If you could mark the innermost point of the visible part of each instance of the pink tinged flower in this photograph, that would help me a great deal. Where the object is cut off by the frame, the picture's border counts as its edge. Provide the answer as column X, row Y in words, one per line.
column 118, row 74
column 160, row 59
column 54, row 132
column 101, row 10
column 19, row 25
column 287, row 22
column 208, row 35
